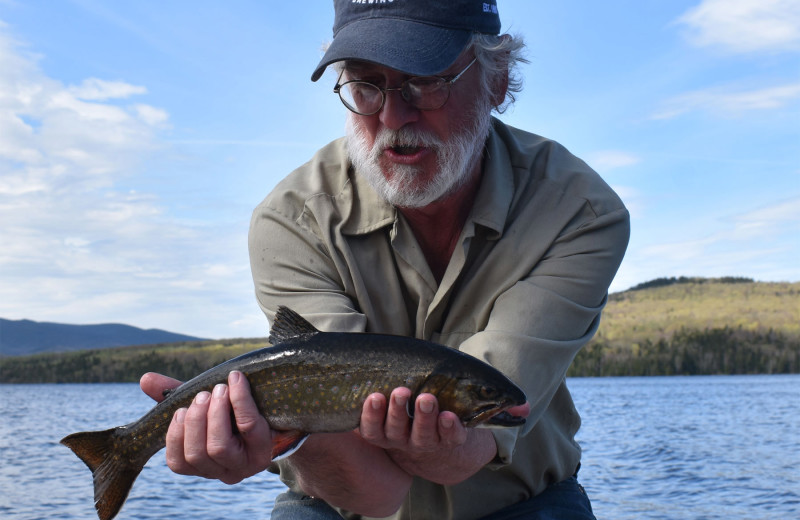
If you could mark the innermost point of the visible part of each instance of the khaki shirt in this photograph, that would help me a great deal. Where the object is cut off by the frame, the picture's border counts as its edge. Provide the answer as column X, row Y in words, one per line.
column 523, row 290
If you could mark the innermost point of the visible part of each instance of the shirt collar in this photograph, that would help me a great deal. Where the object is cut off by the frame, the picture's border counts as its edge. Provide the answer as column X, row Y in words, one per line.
column 369, row 213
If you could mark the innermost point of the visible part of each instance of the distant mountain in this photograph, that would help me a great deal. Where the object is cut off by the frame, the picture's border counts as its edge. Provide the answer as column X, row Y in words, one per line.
column 668, row 326
column 23, row 337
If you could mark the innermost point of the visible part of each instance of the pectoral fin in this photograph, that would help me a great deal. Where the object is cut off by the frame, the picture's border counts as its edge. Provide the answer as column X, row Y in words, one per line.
column 287, row 442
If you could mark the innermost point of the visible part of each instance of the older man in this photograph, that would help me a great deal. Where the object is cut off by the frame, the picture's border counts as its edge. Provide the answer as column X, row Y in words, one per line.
column 434, row 220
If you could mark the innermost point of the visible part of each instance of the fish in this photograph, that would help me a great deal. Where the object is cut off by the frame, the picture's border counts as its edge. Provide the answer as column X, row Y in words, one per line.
column 307, row 381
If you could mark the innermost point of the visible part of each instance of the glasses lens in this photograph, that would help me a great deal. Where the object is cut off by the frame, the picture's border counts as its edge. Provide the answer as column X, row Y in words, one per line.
column 426, row 93
column 363, row 98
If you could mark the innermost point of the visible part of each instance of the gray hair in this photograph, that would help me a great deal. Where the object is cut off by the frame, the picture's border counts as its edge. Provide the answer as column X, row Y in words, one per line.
column 500, row 55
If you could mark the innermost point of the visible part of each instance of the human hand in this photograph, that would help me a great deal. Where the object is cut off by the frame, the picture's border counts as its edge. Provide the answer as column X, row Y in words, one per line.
column 201, row 440
column 434, row 446
column 154, row 385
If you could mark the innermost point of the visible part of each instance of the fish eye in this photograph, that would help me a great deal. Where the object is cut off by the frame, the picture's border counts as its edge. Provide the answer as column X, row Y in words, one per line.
column 487, row 392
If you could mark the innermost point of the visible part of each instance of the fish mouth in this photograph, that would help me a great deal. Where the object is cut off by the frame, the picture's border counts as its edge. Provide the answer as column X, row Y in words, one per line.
column 504, row 418
column 494, row 415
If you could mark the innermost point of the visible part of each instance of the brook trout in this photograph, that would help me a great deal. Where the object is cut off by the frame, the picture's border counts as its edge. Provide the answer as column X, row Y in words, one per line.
column 308, row 381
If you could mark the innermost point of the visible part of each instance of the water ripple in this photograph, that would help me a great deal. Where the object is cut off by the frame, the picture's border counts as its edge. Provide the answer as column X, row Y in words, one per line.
column 654, row 448
column 700, row 447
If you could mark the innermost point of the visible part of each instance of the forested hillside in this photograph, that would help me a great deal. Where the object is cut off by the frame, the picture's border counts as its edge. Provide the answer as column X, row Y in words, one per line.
column 669, row 326
column 125, row 364
column 697, row 326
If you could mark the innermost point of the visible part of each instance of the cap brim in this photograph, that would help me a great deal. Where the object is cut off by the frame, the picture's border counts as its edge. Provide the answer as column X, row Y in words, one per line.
column 411, row 47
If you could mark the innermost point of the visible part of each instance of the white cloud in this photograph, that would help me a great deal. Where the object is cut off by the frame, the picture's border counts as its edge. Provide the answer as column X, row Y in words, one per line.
column 151, row 115
column 729, row 101
column 745, row 26
column 607, row 160
column 74, row 246
column 94, row 89
column 49, row 130
column 760, row 243
column 768, row 220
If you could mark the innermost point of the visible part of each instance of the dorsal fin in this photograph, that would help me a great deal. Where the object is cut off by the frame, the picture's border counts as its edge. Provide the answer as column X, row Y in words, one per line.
column 288, row 324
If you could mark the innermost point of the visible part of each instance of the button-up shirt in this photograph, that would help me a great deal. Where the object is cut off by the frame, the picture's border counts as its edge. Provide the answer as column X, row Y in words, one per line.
column 523, row 290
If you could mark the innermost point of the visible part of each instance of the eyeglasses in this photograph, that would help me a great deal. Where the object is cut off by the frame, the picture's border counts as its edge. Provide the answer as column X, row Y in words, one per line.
column 423, row 92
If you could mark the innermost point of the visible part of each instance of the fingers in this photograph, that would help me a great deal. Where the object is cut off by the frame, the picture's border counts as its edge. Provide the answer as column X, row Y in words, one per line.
column 190, row 446
column 433, row 430
column 154, row 384
column 373, row 415
column 202, row 440
column 383, row 424
column 222, row 448
column 451, row 432
column 254, row 431
column 175, row 458
column 398, row 423
column 249, row 421
column 389, row 426
column 424, row 430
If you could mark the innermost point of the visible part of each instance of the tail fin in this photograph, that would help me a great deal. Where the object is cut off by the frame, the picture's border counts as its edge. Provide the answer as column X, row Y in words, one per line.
column 113, row 473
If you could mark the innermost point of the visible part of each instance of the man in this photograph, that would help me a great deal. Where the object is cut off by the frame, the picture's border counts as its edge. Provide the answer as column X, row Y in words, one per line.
column 430, row 219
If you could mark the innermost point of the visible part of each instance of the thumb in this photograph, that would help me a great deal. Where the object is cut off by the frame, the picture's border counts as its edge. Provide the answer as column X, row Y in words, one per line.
column 154, row 385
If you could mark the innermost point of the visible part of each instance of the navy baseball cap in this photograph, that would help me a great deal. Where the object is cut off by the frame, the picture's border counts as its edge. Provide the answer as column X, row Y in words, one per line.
column 418, row 37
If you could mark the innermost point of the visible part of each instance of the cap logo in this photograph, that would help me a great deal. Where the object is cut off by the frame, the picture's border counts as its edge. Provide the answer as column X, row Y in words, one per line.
column 489, row 8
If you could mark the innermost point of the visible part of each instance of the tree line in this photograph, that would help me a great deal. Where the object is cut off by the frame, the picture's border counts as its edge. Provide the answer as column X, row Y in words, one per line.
column 121, row 365
column 714, row 351
column 672, row 280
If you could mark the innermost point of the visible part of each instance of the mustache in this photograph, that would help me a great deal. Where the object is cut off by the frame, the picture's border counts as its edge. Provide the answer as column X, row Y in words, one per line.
column 404, row 138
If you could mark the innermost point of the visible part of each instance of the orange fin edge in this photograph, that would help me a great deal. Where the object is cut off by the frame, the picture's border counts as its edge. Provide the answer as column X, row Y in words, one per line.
column 284, row 443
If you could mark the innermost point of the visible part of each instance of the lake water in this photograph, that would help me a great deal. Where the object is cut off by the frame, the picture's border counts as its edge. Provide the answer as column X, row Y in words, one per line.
column 654, row 448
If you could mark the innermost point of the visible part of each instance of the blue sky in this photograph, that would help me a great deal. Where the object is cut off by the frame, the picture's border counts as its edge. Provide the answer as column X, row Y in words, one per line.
column 137, row 137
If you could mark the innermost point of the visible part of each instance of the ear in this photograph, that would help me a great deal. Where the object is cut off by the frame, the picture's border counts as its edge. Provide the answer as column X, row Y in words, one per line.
column 500, row 82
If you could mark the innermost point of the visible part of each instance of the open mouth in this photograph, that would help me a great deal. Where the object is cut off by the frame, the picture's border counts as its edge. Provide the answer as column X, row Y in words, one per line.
column 405, row 149
column 483, row 414
column 505, row 419
column 493, row 415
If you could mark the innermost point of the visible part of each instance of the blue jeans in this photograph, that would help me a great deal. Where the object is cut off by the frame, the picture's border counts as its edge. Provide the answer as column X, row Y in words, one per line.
column 565, row 500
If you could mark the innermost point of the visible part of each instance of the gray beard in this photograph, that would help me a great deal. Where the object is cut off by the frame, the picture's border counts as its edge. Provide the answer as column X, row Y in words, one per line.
column 455, row 159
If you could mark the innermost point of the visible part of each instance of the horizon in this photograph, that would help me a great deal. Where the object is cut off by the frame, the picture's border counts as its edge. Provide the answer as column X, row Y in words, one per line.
column 138, row 138
column 648, row 284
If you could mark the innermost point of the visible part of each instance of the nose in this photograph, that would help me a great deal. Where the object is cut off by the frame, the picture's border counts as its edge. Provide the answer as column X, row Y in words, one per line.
column 396, row 112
